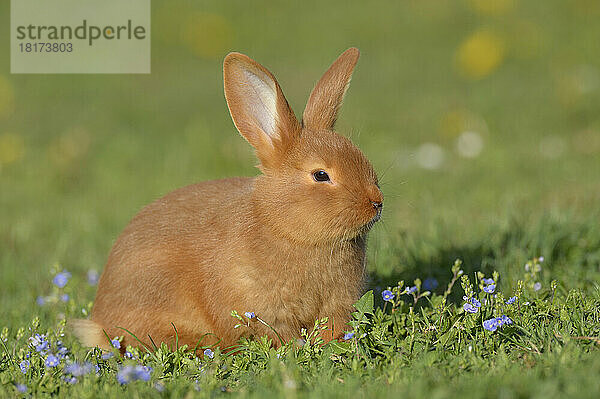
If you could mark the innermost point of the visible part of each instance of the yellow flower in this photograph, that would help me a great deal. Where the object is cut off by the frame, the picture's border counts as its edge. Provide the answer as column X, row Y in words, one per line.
column 480, row 54
column 68, row 149
column 207, row 35
column 12, row 148
column 456, row 121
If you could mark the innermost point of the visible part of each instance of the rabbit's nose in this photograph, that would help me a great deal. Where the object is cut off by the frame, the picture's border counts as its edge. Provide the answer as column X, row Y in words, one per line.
column 375, row 197
column 378, row 205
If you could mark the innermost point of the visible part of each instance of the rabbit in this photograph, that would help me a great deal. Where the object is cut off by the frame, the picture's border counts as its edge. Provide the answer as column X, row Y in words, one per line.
column 288, row 245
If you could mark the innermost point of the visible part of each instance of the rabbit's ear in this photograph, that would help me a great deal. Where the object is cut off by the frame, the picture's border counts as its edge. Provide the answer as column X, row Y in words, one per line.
column 327, row 96
column 258, row 107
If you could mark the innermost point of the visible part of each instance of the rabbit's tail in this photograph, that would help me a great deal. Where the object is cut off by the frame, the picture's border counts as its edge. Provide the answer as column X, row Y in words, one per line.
column 90, row 333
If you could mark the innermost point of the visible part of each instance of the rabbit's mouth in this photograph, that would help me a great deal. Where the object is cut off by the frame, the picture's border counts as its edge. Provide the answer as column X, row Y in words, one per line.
column 372, row 222
column 376, row 217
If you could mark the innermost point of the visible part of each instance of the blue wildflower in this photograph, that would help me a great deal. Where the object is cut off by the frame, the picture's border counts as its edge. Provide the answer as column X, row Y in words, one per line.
column 430, row 284
column 24, row 366
column 39, row 342
column 494, row 323
column 128, row 374
column 92, row 277
column 490, row 288
column 128, row 355
column 412, row 289
column 250, row 315
column 61, row 279
column 69, row 379
column 78, row 369
column 64, row 297
column 40, row 300
column 541, row 259
column 116, row 343
column 62, row 350
column 348, row 335
column 387, row 295
column 107, row 355
column 21, row 388
column 511, row 300
column 52, row 361
column 491, row 324
column 537, row 286
column 488, row 281
column 471, row 305
column 143, row 372
column 209, row 353
column 470, row 308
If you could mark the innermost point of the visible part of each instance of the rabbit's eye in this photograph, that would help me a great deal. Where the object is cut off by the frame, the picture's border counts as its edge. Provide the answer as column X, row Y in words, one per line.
column 320, row 175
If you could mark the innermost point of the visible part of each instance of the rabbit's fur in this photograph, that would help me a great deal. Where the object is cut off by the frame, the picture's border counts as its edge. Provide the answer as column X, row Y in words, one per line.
column 282, row 245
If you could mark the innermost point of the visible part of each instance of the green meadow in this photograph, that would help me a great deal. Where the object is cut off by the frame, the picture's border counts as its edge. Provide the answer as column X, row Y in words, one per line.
column 482, row 119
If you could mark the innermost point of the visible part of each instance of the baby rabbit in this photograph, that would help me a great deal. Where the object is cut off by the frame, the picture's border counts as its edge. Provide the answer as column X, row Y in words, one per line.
column 288, row 245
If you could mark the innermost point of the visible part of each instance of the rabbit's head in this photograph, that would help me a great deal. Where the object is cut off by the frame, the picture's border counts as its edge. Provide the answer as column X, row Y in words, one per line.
column 316, row 187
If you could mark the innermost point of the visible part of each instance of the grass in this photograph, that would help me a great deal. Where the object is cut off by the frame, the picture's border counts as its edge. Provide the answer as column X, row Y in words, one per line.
column 80, row 154
column 418, row 343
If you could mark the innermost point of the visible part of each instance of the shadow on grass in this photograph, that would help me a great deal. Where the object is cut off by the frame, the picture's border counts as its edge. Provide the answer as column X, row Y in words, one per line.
column 569, row 244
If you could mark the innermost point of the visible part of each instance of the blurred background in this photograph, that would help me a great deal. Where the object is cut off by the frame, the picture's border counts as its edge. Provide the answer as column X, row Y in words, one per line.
column 481, row 116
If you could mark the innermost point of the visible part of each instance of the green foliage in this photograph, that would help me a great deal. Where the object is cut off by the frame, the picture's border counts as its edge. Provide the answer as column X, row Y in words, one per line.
column 390, row 347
